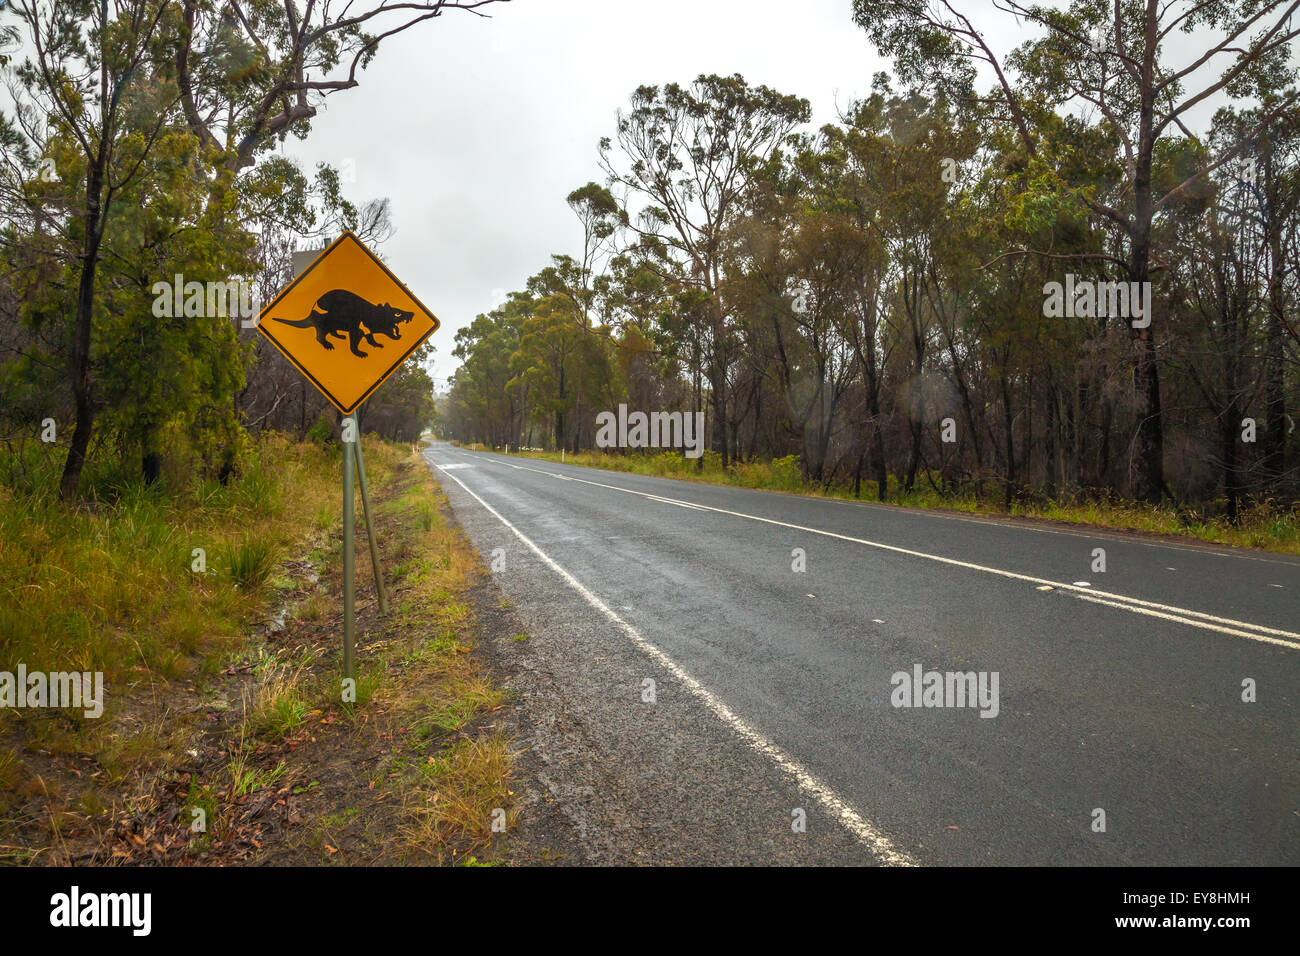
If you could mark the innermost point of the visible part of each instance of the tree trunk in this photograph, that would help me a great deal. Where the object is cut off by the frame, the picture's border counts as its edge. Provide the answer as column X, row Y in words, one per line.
column 719, row 402
column 878, row 460
column 1274, row 444
column 80, row 361
column 151, row 466
column 1149, row 481
column 914, row 459
column 1009, row 448
column 1050, row 456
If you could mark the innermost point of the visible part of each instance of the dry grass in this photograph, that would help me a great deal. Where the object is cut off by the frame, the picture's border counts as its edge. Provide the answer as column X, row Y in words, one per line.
column 117, row 586
column 459, row 797
column 428, row 768
column 454, row 777
column 284, row 697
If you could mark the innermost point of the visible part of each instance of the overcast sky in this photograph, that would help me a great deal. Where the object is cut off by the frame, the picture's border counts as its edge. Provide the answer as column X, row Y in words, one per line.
column 477, row 129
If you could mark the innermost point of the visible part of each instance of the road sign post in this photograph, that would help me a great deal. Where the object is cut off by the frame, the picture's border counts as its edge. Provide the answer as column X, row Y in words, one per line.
column 349, row 610
column 380, row 591
column 347, row 323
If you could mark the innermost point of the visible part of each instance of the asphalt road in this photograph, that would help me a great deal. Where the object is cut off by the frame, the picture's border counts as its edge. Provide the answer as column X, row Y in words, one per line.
column 770, row 733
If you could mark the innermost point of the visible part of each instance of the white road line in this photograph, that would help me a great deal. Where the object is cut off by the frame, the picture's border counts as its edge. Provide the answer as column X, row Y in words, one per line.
column 1189, row 621
column 875, row 841
column 1102, row 534
column 1255, row 632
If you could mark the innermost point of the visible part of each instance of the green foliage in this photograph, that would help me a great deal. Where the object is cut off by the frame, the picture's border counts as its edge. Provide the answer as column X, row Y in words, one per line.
column 106, row 200
column 321, row 433
column 866, row 303
column 402, row 408
column 252, row 562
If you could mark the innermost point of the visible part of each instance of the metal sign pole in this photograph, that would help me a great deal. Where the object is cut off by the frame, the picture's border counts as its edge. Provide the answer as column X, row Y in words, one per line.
column 370, row 530
column 349, row 623
column 349, row 279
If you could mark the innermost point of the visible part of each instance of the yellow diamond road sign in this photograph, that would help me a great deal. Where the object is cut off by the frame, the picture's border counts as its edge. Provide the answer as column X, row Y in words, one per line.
column 347, row 323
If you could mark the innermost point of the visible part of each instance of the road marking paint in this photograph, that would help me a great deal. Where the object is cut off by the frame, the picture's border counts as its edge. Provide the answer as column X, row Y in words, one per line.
column 1083, row 532
column 1189, row 621
column 875, row 841
column 1134, row 605
column 995, row 521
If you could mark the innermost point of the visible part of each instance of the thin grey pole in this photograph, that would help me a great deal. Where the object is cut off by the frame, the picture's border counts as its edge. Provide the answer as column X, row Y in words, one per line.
column 370, row 528
column 349, row 623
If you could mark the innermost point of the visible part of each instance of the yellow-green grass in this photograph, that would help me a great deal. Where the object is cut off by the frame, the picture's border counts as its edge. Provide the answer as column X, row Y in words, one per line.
column 148, row 586
column 151, row 585
column 462, row 796
column 1263, row 526
column 112, row 587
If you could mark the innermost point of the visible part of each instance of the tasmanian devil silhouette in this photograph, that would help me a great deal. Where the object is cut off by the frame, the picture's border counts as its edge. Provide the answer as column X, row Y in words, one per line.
column 347, row 315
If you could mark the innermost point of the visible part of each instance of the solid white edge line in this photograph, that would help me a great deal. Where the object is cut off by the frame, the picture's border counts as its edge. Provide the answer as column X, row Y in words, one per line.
column 875, row 841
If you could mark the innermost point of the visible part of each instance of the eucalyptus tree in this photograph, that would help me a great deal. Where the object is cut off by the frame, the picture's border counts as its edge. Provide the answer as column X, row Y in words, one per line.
column 485, row 400
column 1265, row 187
column 684, row 160
column 87, row 69
column 1116, row 59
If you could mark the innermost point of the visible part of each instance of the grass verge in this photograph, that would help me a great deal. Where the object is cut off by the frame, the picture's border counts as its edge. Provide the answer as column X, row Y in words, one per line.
column 227, row 736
